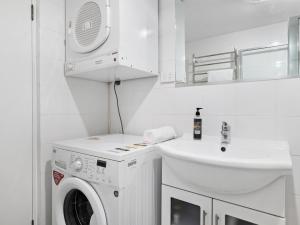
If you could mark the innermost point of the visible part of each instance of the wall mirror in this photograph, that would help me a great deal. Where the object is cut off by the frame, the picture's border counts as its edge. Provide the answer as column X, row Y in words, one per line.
column 220, row 41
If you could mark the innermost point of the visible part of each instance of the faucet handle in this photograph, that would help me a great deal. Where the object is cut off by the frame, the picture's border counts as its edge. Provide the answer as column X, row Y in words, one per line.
column 225, row 126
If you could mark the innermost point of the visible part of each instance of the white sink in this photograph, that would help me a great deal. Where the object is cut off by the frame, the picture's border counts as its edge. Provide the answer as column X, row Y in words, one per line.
column 246, row 166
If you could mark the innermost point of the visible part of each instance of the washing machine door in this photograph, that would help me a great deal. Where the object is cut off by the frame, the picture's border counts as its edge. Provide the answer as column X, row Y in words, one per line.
column 88, row 24
column 78, row 204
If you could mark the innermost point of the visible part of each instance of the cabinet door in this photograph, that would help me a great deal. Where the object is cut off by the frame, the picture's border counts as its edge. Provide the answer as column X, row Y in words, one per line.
column 185, row 208
column 229, row 214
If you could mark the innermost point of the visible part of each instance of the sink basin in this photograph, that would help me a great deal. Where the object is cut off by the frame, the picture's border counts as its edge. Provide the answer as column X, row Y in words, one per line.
column 243, row 166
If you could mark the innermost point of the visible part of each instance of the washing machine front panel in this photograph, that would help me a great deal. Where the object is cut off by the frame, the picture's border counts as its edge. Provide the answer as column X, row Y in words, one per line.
column 78, row 204
column 88, row 25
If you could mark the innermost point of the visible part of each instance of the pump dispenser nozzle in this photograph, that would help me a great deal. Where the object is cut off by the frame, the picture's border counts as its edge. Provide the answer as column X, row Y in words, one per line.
column 198, row 111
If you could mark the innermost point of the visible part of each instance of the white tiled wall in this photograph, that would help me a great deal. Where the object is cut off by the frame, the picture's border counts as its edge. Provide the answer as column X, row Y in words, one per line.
column 167, row 40
column 263, row 110
column 266, row 109
column 69, row 108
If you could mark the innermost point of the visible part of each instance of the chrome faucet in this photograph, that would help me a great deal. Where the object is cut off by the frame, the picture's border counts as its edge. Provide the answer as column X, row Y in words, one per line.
column 225, row 133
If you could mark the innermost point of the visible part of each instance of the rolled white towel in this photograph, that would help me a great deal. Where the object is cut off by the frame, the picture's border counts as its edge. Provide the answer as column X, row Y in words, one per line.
column 159, row 135
column 220, row 75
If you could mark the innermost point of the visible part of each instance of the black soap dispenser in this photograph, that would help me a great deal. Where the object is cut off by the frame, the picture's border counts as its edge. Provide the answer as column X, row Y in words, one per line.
column 197, row 125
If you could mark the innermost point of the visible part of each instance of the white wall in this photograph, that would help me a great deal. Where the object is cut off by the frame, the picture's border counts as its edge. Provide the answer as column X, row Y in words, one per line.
column 256, row 37
column 16, row 129
column 266, row 109
column 167, row 40
column 69, row 108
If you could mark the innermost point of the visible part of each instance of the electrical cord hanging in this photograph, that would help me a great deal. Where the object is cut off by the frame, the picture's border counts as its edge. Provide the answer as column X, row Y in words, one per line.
column 115, row 84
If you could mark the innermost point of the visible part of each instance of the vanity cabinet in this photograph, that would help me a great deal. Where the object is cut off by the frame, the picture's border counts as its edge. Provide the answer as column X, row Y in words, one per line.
column 230, row 214
column 180, row 207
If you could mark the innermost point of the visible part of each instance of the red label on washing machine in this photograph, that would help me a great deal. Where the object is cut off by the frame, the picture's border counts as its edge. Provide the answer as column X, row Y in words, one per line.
column 57, row 176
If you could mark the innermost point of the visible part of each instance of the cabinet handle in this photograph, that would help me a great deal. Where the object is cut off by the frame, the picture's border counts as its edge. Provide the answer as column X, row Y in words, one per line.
column 204, row 216
column 217, row 218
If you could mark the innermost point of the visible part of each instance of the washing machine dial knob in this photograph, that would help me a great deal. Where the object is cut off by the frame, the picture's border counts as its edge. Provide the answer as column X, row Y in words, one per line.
column 77, row 165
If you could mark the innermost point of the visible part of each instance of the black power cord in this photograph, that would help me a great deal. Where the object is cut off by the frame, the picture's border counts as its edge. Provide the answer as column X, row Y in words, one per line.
column 117, row 83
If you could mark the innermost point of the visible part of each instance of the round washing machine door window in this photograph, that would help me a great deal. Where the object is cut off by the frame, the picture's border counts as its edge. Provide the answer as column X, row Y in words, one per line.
column 78, row 204
column 77, row 209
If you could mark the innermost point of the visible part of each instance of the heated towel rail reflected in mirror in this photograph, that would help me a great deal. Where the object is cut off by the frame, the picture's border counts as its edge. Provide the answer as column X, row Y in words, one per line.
column 210, row 51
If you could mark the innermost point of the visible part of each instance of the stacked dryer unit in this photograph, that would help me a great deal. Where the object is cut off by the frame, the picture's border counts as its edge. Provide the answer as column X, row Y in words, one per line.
column 109, row 40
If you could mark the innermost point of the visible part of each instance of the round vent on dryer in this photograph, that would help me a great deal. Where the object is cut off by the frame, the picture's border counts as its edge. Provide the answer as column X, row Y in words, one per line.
column 90, row 27
column 88, row 24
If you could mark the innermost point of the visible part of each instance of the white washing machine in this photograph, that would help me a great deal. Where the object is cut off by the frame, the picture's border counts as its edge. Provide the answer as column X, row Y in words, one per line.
column 98, row 181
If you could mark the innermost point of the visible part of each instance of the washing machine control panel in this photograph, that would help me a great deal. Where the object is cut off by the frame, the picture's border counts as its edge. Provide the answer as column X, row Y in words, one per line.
column 77, row 164
column 93, row 169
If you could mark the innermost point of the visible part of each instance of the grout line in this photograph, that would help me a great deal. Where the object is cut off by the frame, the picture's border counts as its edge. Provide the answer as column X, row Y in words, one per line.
column 68, row 114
